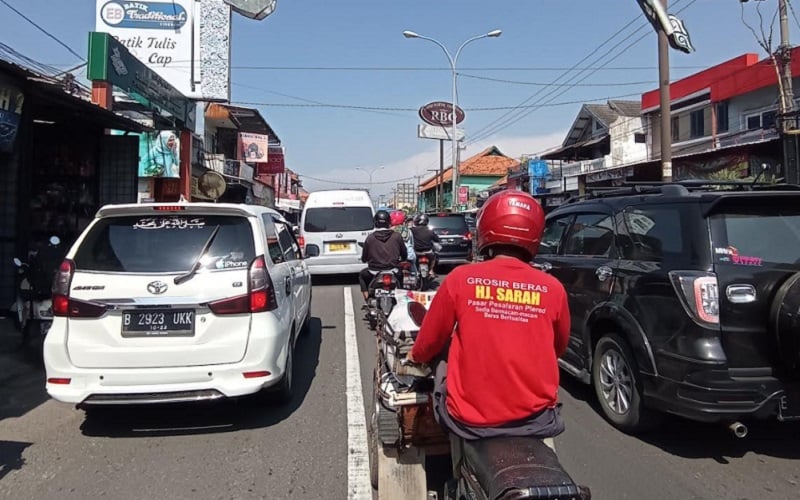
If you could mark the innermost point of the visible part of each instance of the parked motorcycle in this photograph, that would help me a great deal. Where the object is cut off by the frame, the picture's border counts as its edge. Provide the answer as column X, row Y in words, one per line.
column 33, row 307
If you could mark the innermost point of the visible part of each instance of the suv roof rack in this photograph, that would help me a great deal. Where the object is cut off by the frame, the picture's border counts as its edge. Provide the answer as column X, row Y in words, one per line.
column 681, row 188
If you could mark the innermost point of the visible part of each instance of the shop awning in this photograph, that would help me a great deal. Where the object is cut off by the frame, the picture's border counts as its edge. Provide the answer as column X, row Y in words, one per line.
column 574, row 151
column 53, row 91
column 243, row 119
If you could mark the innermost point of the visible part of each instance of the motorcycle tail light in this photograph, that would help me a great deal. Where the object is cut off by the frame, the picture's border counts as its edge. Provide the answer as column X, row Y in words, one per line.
column 387, row 280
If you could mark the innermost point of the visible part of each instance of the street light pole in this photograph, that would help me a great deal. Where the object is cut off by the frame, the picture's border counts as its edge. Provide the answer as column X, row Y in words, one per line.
column 665, row 104
column 453, row 61
column 370, row 173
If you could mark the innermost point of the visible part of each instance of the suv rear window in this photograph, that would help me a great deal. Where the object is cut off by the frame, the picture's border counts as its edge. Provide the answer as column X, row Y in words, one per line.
column 755, row 235
column 338, row 219
column 448, row 224
column 165, row 244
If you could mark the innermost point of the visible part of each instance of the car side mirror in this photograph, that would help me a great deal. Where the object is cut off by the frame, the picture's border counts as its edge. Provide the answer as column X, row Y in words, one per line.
column 296, row 230
column 312, row 251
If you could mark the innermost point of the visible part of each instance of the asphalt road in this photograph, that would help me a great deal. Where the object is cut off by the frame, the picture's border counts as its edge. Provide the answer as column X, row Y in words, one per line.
column 252, row 449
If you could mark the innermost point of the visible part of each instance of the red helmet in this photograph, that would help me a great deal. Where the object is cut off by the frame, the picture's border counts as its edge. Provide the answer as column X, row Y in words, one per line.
column 510, row 218
column 397, row 217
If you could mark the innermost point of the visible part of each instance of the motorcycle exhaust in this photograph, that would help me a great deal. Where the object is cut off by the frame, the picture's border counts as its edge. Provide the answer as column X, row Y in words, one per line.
column 738, row 429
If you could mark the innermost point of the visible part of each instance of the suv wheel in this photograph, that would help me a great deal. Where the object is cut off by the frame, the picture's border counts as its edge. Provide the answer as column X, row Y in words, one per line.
column 617, row 383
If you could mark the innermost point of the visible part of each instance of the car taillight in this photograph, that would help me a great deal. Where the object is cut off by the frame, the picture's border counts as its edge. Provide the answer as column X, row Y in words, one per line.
column 65, row 306
column 699, row 294
column 60, row 290
column 301, row 241
column 468, row 236
column 259, row 298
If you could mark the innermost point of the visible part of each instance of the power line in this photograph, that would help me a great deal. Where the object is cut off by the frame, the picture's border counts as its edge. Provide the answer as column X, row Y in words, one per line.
column 542, row 84
column 50, row 35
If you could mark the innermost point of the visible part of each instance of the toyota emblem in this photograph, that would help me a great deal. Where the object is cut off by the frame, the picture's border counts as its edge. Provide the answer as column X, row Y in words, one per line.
column 157, row 287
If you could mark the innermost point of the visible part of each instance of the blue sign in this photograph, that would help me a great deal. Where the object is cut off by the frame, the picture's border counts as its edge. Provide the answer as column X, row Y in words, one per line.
column 144, row 15
column 537, row 169
column 11, row 101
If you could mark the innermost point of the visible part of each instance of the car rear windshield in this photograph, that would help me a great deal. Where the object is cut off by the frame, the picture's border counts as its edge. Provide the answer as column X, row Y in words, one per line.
column 754, row 236
column 448, row 224
column 163, row 244
column 338, row 219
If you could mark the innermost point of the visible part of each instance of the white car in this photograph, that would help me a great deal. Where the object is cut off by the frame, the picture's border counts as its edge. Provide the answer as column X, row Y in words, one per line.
column 177, row 302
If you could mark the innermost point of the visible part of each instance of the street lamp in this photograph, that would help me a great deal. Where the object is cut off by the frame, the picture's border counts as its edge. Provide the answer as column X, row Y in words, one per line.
column 453, row 60
column 370, row 173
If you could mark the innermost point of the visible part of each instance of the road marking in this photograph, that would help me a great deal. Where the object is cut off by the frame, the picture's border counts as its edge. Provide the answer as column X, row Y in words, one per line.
column 358, row 483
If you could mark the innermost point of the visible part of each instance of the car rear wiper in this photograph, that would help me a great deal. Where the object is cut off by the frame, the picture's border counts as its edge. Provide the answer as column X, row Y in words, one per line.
column 196, row 266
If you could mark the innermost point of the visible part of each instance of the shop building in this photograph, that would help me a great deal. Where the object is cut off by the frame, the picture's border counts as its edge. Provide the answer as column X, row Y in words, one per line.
column 57, row 163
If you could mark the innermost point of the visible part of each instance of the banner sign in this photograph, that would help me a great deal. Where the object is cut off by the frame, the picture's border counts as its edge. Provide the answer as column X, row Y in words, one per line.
column 11, row 101
column 231, row 168
column 276, row 163
column 463, row 195
column 111, row 62
column 253, row 147
column 160, row 154
column 172, row 38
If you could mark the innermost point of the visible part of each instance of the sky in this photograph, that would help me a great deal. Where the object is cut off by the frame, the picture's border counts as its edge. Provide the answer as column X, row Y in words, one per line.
column 351, row 54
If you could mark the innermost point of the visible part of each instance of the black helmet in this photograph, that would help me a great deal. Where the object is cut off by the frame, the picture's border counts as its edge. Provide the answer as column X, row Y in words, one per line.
column 421, row 220
column 382, row 219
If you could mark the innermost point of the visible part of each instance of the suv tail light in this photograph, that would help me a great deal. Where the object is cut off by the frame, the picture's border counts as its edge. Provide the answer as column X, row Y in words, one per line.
column 260, row 296
column 468, row 236
column 65, row 306
column 301, row 241
column 699, row 295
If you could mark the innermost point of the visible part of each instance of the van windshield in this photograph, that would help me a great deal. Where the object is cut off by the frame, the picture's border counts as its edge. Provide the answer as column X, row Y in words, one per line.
column 338, row 219
column 165, row 244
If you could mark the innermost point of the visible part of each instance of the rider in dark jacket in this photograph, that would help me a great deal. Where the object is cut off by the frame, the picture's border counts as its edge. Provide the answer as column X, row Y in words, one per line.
column 384, row 249
column 424, row 238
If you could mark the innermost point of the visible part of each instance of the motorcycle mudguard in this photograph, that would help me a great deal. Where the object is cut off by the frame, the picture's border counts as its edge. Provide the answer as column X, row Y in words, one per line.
column 518, row 467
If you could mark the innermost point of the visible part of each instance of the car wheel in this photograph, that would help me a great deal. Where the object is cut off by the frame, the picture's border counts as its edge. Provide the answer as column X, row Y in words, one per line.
column 284, row 391
column 617, row 384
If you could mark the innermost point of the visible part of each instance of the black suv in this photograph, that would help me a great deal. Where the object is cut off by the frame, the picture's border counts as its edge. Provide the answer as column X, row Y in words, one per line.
column 684, row 299
column 454, row 236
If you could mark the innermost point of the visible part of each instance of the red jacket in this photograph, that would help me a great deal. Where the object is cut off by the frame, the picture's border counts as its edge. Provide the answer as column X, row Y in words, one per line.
column 509, row 322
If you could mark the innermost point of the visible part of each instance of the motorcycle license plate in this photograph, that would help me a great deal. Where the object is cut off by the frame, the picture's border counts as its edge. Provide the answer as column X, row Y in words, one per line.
column 158, row 323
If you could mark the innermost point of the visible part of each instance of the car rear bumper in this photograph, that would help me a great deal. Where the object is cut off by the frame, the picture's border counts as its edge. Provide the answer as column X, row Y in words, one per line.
column 716, row 396
column 266, row 352
column 321, row 268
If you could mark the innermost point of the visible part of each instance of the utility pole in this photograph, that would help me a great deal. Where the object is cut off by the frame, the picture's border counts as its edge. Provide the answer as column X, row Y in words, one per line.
column 440, row 187
column 664, row 94
column 788, row 118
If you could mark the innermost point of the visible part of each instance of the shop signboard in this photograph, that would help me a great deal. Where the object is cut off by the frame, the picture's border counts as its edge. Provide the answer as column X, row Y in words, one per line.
column 440, row 114
column 11, row 101
column 172, row 38
column 463, row 195
column 111, row 62
column 253, row 147
column 276, row 163
column 231, row 168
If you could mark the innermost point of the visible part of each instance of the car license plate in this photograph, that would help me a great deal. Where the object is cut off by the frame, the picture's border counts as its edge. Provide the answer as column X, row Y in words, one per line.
column 158, row 323
column 789, row 406
column 339, row 247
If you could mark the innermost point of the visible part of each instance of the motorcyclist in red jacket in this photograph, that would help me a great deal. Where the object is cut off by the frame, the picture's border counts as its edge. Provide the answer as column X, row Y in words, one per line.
column 507, row 324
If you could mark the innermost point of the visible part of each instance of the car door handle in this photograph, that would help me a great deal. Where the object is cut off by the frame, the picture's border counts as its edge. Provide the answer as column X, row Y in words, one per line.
column 288, row 284
column 604, row 272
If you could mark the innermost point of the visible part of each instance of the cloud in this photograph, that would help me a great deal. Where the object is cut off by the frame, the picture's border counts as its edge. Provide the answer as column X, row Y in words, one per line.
column 408, row 169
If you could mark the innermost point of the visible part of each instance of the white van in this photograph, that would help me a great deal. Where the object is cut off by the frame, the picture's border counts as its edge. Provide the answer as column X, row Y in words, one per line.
column 332, row 225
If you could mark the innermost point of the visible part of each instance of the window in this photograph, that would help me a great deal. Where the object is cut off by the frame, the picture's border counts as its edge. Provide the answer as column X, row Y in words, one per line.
column 768, row 119
column 553, row 233
column 273, row 244
column 751, row 235
column 640, row 138
column 591, row 234
column 651, row 233
column 291, row 250
column 697, row 124
column 338, row 219
column 166, row 244
column 722, row 117
column 676, row 129
column 753, row 122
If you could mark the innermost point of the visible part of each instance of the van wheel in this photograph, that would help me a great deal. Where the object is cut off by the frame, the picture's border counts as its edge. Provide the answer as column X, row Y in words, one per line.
column 284, row 392
column 617, row 384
